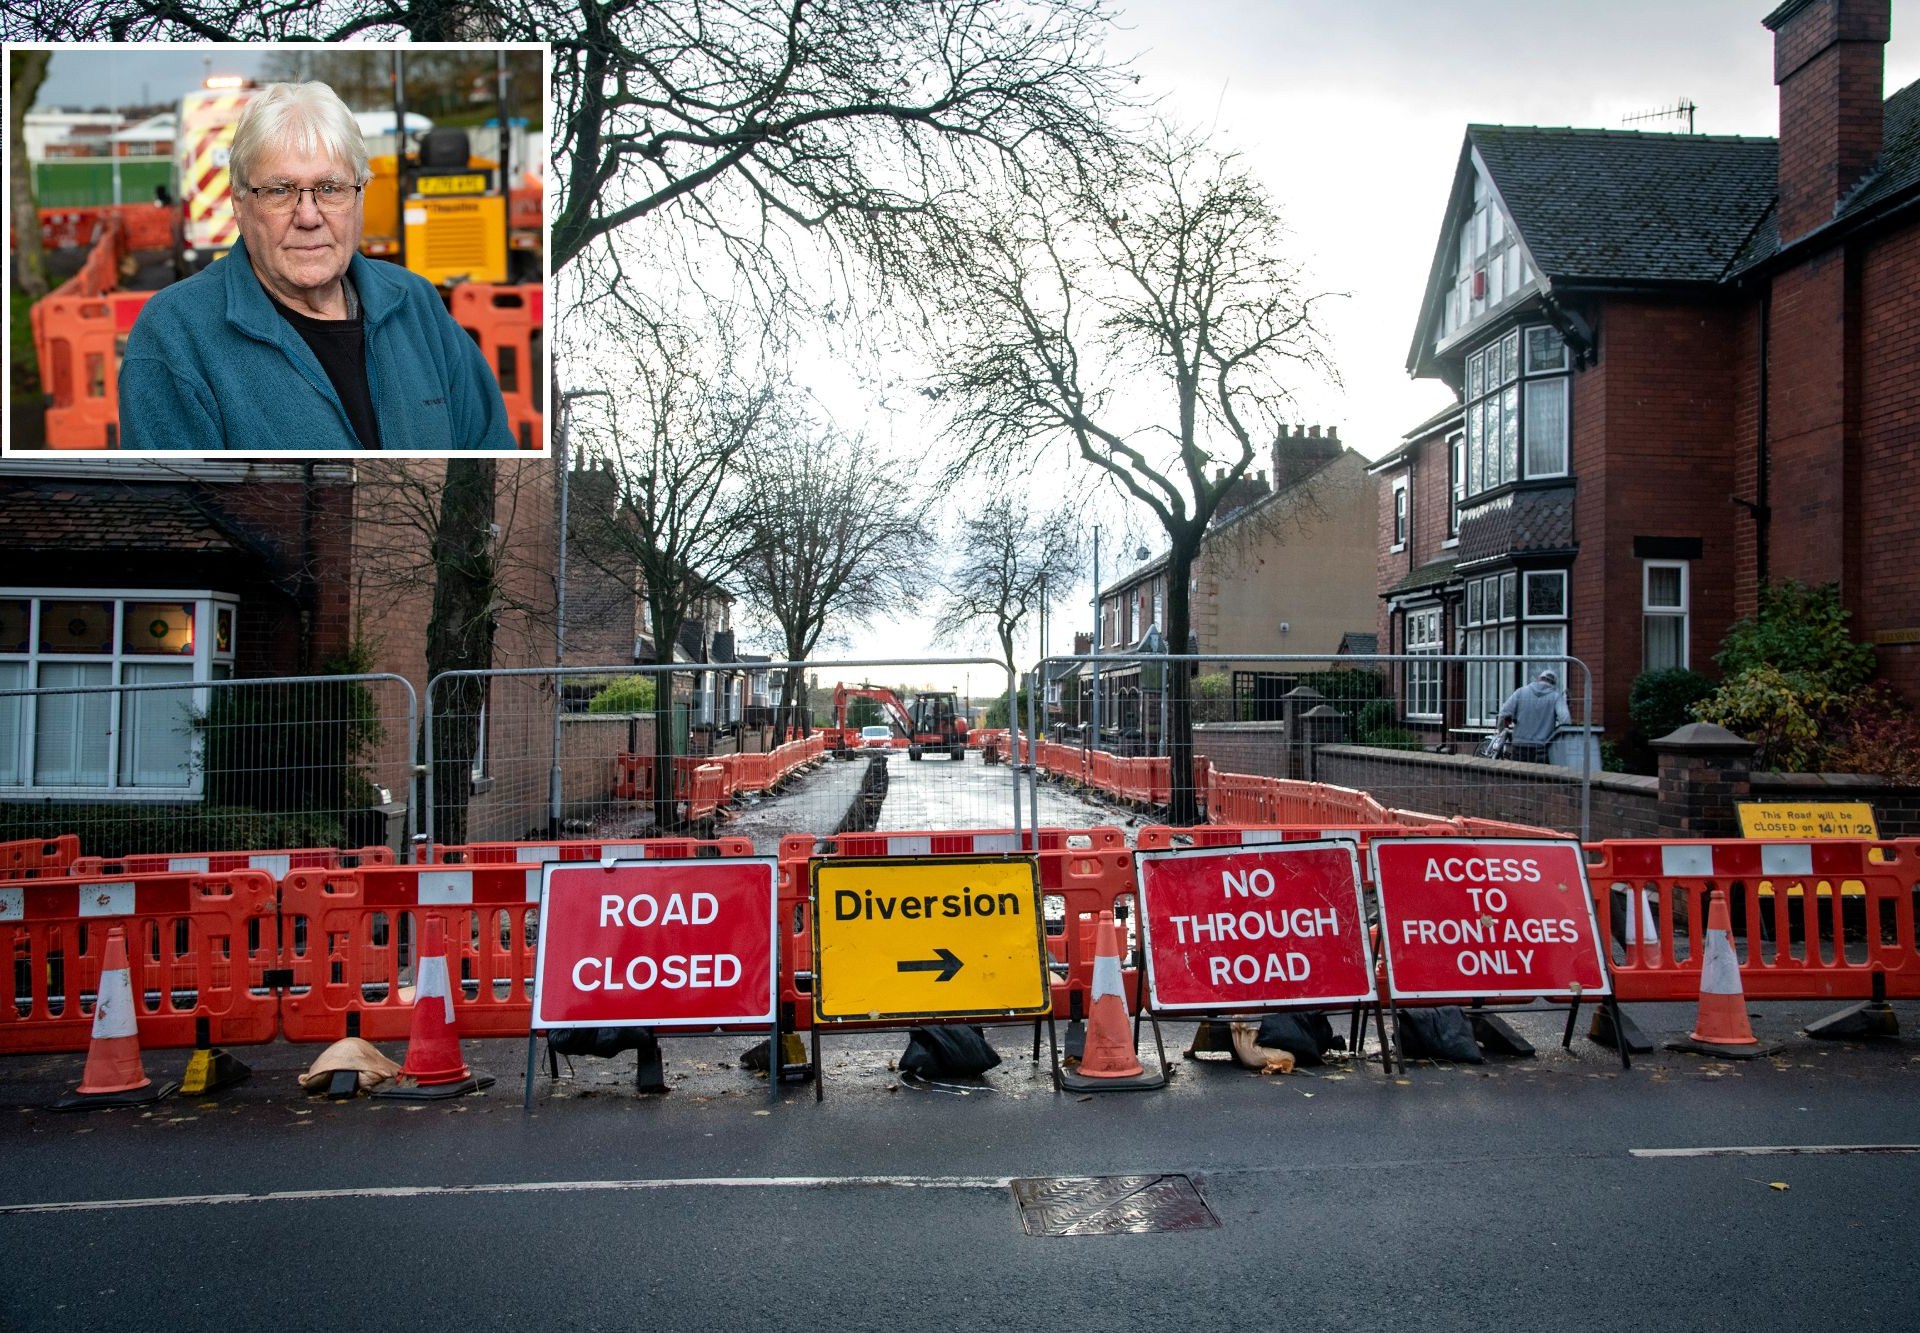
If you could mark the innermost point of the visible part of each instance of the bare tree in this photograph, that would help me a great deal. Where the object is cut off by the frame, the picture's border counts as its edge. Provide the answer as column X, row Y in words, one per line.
column 834, row 540
column 682, row 426
column 1153, row 330
column 26, row 71
column 1007, row 558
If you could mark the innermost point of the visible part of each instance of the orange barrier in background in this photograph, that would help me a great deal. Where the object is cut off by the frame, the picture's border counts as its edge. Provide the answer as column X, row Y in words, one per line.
column 276, row 864
column 37, row 858
column 506, row 323
column 145, row 226
column 200, row 946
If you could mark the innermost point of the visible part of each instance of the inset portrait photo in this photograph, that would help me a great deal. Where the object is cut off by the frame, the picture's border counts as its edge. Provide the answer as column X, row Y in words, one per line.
column 274, row 251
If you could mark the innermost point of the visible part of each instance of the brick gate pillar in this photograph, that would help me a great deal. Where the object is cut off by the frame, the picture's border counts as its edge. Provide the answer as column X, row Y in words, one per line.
column 1704, row 770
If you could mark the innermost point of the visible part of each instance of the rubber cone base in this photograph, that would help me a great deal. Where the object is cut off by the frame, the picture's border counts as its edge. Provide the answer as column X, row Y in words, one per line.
column 211, row 1070
column 106, row 1101
column 1074, row 1081
column 1600, row 1032
column 406, row 1090
column 1869, row 1018
column 1753, row 1052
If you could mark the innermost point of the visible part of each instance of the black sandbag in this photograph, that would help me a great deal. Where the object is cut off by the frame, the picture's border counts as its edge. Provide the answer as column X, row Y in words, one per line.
column 951, row 1051
column 604, row 1043
column 1305, row 1036
column 1439, row 1034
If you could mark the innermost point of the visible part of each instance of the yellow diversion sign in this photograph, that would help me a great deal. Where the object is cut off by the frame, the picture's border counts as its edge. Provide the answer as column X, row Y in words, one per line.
column 1807, row 819
column 928, row 937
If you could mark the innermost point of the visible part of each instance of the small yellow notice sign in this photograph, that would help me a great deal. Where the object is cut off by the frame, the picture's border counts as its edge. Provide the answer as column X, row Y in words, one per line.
column 1807, row 819
column 928, row 937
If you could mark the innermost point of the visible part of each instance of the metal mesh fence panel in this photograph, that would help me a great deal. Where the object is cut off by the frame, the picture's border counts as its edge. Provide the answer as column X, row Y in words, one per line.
column 718, row 749
column 1348, row 739
column 192, row 766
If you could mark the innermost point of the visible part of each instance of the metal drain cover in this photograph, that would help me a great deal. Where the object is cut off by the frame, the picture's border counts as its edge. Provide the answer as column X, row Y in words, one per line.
column 1110, row 1205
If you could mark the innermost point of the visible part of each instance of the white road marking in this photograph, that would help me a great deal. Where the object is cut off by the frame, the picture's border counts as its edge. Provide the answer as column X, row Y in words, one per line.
column 1791, row 1150
column 520, row 1187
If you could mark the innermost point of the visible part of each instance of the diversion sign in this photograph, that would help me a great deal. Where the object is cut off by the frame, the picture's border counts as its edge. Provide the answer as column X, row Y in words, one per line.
column 667, row 943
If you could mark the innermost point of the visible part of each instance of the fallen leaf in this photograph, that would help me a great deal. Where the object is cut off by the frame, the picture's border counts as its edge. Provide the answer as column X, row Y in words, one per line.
column 1777, row 1185
column 763, row 1113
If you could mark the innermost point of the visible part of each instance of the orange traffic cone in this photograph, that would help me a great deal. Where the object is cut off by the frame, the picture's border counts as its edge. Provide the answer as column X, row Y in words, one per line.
column 114, row 1075
column 1721, row 1028
column 1109, row 1061
column 434, row 1067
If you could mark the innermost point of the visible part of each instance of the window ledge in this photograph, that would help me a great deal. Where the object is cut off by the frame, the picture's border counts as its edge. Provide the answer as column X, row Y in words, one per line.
column 481, row 785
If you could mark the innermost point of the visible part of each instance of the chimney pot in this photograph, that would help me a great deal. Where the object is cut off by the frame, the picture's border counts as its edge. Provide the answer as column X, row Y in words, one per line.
column 1829, row 61
column 1314, row 433
column 1333, row 432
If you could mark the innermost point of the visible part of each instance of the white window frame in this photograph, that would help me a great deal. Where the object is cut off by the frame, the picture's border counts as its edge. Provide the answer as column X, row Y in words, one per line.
column 1683, row 612
column 1402, row 515
column 207, row 662
column 1420, row 631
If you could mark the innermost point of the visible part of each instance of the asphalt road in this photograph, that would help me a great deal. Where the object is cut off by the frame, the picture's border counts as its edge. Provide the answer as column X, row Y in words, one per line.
column 1508, row 1195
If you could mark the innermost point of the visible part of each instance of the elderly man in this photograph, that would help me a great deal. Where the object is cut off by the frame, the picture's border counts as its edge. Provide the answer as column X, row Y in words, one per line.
column 1535, row 712
column 294, row 341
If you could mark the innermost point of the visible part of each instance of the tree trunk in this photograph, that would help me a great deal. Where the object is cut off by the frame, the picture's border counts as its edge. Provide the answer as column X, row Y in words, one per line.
column 1184, row 809
column 666, row 633
column 460, row 635
column 27, row 72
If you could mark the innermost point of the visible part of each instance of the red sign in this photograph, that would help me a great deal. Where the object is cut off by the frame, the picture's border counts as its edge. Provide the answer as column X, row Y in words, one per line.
column 1462, row 919
column 1254, row 927
column 632, row 943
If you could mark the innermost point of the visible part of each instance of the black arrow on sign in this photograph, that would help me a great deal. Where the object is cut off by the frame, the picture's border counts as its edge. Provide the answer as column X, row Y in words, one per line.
column 946, row 965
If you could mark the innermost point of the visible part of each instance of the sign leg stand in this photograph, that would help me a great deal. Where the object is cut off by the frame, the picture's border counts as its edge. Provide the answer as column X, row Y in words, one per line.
column 819, row 1069
column 1613, row 1012
column 526, row 1104
column 1573, row 1016
column 775, row 1058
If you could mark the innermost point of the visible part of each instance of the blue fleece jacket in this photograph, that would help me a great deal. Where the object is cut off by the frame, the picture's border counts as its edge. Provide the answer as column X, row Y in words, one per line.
column 210, row 364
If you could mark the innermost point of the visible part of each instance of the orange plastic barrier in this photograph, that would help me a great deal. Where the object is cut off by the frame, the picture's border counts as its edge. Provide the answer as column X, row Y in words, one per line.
column 145, row 226
column 1082, row 872
column 200, row 947
column 38, row 858
column 276, row 864
column 1790, row 901
column 1159, row 837
column 351, row 940
column 537, row 853
column 506, row 323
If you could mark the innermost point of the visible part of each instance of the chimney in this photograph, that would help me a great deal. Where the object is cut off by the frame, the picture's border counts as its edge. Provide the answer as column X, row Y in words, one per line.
column 1082, row 644
column 1829, row 62
column 1300, row 452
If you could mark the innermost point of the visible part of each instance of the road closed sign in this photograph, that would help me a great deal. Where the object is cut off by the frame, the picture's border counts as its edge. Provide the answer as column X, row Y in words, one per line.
column 1465, row 919
column 667, row 943
column 1254, row 927
column 928, row 937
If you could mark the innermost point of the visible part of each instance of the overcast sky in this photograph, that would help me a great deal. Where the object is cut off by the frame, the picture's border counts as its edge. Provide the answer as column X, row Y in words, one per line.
column 82, row 80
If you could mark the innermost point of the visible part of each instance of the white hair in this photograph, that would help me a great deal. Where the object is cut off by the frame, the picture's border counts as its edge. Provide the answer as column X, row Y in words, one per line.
column 305, row 118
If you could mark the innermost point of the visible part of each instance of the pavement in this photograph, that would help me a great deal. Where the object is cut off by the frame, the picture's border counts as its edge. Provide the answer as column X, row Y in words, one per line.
column 1515, row 1194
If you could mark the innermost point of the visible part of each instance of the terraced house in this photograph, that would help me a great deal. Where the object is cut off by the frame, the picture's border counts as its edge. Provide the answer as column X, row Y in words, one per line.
column 1684, row 364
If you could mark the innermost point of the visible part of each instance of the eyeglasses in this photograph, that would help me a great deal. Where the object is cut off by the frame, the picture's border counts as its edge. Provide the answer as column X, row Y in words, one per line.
column 328, row 196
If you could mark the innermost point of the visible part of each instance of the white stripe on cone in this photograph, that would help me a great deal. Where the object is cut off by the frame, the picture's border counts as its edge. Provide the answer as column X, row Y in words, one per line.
column 1719, row 971
column 113, row 1014
column 431, row 981
column 1106, row 978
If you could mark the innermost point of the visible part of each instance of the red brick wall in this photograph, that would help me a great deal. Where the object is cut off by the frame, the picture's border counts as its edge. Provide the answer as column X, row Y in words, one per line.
column 1654, row 448
column 1806, row 422
column 1888, row 600
column 295, row 615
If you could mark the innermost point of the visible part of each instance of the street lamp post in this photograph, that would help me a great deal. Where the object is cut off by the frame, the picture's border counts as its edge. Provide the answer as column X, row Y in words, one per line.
column 560, row 600
column 1095, row 743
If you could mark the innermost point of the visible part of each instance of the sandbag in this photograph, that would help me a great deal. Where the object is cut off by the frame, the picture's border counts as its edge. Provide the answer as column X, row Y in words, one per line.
column 952, row 1051
column 1248, row 1051
column 357, row 1054
column 603, row 1043
column 1307, row 1036
column 1439, row 1034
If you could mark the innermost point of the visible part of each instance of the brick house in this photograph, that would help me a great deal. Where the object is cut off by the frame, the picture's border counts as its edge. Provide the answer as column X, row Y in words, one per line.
column 130, row 570
column 1282, row 569
column 1684, row 364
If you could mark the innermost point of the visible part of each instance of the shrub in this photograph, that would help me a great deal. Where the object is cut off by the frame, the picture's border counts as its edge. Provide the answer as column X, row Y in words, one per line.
column 1781, row 713
column 1377, row 715
column 1879, row 736
column 630, row 694
column 1392, row 738
column 1798, row 630
column 1349, row 689
column 278, row 746
column 152, row 829
column 1661, row 701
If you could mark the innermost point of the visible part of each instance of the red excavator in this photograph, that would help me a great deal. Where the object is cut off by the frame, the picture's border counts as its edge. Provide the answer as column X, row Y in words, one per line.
column 930, row 720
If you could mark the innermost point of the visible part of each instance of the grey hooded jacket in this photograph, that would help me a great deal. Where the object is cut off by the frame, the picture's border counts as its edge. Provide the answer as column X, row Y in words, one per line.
column 1535, row 710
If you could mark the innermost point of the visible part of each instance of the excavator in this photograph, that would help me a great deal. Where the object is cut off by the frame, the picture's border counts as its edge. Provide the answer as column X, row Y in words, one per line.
column 931, row 720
